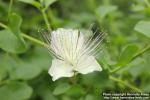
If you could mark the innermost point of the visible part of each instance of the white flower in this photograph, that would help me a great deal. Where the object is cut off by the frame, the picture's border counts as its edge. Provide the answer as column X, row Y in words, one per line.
column 72, row 53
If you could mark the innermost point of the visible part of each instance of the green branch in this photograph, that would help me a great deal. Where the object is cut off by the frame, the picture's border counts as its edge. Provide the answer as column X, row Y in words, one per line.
column 141, row 53
column 125, row 83
column 118, row 68
column 46, row 19
column 136, row 56
column 3, row 25
column 43, row 11
column 34, row 40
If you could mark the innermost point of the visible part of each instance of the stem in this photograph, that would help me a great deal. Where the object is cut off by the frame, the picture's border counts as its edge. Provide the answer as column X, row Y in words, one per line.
column 73, row 79
column 142, row 52
column 137, row 55
column 125, row 83
column 10, row 6
column 115, row 70
column 3, row 25
column 46, row 19
column 34, row 40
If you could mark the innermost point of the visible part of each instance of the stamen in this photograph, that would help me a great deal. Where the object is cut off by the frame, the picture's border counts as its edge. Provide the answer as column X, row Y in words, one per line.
column 70, row 47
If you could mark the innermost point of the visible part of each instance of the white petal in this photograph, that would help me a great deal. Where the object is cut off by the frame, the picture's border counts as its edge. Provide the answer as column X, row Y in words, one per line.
column 60, row 69
column 87, row 65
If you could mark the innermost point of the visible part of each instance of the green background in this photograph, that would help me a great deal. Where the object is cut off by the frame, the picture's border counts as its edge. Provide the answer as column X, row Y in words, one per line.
column 24, row 61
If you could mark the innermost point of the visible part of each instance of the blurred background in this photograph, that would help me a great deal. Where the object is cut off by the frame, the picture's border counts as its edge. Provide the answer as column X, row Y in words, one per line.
column 24, row 62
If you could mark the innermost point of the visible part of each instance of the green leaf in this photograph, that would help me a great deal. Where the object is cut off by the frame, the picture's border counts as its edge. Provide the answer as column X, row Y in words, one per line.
column 143, row 27
column 49, row 2
column 61, row 88
column 32, row 2
column 146, row 87
column 3, row 73
column 44, row 90
column 21, row 70
column 89, row 97
column 42, row 59
column 15, row 91
column 76, row 91
column 10, row 43
column 29, row 68
column 138, row 8
column 15, row 23
column 25, row 71
column 104, row 10
column 137, row 67
column 97, row 78
column 127, row 54
column 3, row 69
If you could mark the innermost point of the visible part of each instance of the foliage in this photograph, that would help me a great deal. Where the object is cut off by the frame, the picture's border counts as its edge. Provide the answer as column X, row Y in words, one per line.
column 24, row 62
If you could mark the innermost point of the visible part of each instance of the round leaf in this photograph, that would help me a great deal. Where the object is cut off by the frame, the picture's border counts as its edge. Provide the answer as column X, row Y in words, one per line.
column 10, row 43
column 25, row 71
column 127, row 54
column 15, row 23
column 103, row 10
column 61, row 88
column 143, row 27
column 15, row 91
